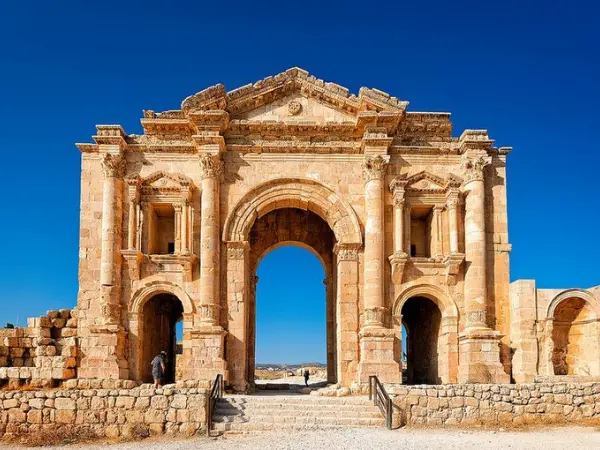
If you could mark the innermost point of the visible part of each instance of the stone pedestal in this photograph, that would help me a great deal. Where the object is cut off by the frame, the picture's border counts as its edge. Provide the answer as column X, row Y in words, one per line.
column 104, row 350
column 205, row 354
column 377, row 356
column 480, row 358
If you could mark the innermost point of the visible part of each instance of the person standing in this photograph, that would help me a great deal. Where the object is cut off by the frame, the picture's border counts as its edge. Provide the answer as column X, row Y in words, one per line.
column 159, row 367
column 306, row 376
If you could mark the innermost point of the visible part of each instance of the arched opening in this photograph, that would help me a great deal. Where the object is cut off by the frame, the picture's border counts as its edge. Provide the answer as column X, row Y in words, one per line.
column 421, row 320
column 291, row 317
column 575, row 338
column 160, row 317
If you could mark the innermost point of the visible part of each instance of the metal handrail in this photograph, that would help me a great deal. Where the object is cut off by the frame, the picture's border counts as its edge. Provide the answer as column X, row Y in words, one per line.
column 215, row 393
column 381, row 398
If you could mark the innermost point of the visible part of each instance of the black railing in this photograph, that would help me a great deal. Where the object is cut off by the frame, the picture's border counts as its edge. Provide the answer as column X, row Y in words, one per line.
column 382, row 399
column 215, row 393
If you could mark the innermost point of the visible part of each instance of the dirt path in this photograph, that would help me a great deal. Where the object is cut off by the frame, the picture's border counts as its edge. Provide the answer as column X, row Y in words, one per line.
column 359, row 439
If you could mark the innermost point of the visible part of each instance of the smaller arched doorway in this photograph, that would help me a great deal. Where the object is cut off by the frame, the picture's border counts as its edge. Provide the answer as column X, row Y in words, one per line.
column 421, row 319
column 159, row 319
column 575, row 346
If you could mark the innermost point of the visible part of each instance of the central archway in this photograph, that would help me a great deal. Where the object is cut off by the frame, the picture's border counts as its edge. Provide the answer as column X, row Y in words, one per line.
column 299, row 212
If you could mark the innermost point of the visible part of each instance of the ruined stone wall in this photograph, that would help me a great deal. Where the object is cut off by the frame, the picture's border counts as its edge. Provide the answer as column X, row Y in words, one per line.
column 554, row 331
column 42, row 354
column 107, row 408
column 496, row 405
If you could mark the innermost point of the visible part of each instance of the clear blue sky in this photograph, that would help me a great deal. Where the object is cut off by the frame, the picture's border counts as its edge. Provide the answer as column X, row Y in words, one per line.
column 526, row 71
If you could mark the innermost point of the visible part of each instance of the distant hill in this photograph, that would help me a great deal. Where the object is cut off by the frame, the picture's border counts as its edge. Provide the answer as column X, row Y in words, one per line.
column 278, row 366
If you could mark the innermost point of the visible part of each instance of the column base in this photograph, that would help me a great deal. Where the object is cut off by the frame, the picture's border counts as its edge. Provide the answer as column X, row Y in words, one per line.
column 204, row 356
column 480, row 357
column 377, row 355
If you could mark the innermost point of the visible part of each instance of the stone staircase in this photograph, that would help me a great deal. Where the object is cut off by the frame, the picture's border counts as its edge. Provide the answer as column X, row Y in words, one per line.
column 255, row 413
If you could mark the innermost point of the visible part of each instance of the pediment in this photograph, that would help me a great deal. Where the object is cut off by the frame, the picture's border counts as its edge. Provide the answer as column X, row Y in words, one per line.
column 425, row 181
column 296, row 108
column 163, row 181
column 271, row 96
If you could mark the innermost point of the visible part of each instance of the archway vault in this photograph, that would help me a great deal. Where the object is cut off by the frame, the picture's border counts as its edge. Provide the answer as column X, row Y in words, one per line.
column 299, row 193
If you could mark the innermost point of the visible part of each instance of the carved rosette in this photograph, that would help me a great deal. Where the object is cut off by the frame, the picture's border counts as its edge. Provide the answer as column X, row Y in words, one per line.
column 375, row 316
column 211, row 166
column 237, row 250
column 346, row 252
column 473, row 168
column 374, row 167
column 113, row 166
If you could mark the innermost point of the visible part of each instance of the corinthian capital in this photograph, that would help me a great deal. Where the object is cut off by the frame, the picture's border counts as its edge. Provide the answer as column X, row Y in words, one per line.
column 211, row 166
column 113, row 166
column 473, row 168
column 374, row 167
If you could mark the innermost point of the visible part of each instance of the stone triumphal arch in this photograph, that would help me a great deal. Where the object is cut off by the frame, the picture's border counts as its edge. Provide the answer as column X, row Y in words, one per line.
column 408, row 221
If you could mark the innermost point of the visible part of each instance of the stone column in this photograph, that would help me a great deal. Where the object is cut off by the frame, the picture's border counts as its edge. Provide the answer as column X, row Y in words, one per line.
column 374, row 173
column 184, row 227
column 177, row 207
column 479, row 344
column 452, row 205
column 400, row 256
column 211, row 169
column 208, row 337
column 437, row 232
column 114, row 169
column 475, row 243
column 376, row 340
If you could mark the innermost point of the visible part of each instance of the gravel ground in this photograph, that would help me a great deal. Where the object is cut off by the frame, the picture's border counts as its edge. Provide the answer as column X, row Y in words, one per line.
column 358, row 439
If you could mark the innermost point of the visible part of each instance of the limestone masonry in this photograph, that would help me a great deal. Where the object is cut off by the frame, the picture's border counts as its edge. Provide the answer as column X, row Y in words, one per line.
column 409, row 222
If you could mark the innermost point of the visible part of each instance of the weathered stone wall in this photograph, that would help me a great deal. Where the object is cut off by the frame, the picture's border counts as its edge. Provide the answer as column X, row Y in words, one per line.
column 41, row 354
column 111, row 411
column 496, row 405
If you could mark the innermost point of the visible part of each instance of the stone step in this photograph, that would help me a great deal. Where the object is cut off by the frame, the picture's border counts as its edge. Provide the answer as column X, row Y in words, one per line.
column 297, row 425
column 296, row 399
column 291, row 414
column 224, row 407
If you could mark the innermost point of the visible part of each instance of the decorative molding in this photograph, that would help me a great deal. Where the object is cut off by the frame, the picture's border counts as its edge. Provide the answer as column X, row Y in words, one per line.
column 211, row 166
column 113, row 166
column 374, row 167
column 237, row 250
column 133, row 261
column 375, row 315
column 346, row 252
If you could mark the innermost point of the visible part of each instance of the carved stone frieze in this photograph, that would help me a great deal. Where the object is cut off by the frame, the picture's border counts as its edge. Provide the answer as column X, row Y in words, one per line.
column 237, row 250
column 346, row 252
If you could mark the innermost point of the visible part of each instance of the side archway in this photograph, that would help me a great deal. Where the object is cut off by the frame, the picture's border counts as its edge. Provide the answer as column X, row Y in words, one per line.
column 154, row 312
column 296, row 193
column 573, row 333
column 430, row 319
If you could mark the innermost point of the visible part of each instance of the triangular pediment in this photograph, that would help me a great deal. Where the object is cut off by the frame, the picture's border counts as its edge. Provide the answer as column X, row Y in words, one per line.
column 296, row 108
column 166, row 181
column 425, row 181
column 272, row 96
